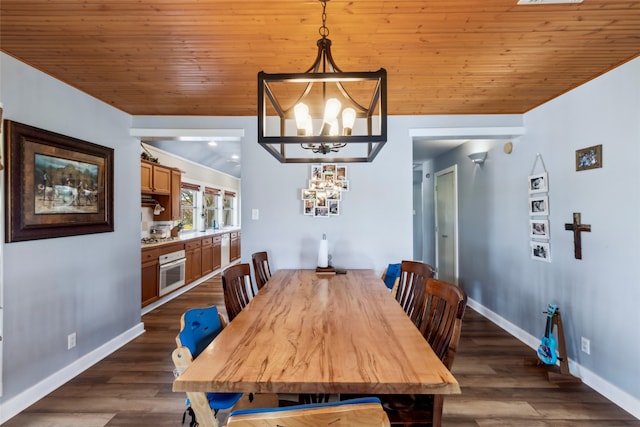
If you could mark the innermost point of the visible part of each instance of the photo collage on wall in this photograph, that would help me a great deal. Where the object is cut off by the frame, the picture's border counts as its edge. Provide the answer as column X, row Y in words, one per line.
column 323, row 195
column 539, row 217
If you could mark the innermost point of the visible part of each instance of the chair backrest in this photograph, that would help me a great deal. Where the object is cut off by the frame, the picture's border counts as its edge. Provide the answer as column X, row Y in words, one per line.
column 411, row 287
column 237, row 287
column 391, row 276
column 261, row 268
column 198, row 327
column 441, row 319
column 365, row 412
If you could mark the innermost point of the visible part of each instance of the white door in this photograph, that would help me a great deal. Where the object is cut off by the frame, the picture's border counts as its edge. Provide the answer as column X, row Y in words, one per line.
column 446, row 205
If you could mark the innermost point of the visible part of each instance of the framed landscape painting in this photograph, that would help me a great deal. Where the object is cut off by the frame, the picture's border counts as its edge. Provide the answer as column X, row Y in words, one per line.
column 56, row 185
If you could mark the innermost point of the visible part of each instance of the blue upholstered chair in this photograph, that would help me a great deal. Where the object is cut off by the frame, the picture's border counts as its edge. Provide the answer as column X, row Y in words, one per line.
column 363, row 412
column 198, row 327
column 391, row 276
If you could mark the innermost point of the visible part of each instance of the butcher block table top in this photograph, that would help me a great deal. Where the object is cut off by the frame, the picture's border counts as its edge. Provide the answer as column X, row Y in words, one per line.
column 308, row 333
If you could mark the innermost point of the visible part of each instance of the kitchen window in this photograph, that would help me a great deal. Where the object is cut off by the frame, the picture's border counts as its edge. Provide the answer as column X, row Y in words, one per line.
column 229, row 208
column 210, row 212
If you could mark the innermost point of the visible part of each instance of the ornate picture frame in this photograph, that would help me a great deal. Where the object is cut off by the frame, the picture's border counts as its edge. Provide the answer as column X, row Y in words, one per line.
column 55, row 185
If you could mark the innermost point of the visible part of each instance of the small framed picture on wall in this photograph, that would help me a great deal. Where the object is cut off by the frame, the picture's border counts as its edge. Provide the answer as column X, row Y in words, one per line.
column 539, row 206
column 538, row 183
column 540, row 251
column 539, row 229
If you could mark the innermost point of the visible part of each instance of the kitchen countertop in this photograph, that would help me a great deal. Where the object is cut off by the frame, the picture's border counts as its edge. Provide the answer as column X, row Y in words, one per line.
column 189, row 235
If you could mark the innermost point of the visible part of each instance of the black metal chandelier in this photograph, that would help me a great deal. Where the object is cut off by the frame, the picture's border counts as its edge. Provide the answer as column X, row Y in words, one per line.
column 341, row 116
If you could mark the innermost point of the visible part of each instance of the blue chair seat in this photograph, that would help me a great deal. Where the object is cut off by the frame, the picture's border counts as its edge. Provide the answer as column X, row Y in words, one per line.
column 360, row 412
column 219, row 401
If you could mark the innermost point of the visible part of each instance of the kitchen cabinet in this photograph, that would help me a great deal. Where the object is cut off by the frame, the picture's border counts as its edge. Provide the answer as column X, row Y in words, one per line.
column 204, row 255
column 171, row 202
column 193, row 249
column 155, row 179
column 150, row 269
column 217, row 252
column 234, row 246
column 207, row 256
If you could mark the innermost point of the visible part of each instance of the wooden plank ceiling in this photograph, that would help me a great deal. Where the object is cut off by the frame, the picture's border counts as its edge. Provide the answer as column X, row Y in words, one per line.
column 201, row 57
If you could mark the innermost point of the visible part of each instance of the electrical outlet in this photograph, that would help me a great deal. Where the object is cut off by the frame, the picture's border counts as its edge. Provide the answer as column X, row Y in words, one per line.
column 71, row 341
column 585, row 345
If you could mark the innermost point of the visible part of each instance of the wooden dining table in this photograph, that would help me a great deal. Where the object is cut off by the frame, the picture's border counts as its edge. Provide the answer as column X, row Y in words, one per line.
column 310, row 333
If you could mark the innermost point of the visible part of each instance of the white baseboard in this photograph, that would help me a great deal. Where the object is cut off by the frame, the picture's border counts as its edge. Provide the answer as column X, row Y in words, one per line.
column 621, row 398
column 22, row 401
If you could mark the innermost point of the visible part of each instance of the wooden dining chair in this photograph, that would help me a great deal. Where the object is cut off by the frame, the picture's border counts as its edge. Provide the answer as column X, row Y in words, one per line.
column 365, row 412
column 198, row 327
column 411, row 287
column 261, row 268
column 441, row 325
column 237, row 288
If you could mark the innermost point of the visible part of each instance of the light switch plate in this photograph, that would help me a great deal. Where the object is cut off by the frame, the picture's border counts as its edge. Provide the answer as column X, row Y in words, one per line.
column 255, row 214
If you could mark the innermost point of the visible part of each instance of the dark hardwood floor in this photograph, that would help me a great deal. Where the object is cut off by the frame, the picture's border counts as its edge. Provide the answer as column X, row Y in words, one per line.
column 132, row 387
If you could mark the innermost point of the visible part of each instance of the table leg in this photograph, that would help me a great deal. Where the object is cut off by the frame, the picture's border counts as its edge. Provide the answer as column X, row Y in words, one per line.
column 200, row 406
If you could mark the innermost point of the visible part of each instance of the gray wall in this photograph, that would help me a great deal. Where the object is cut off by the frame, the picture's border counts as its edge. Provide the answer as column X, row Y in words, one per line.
column 376, row 224
column 85, row 284
column 598, row 295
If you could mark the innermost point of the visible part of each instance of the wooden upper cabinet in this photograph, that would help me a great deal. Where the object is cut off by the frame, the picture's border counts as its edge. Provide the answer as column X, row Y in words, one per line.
column 161, row 180
column 146, row 177
column 171, row 202
column 176, row 182
column 155, row 179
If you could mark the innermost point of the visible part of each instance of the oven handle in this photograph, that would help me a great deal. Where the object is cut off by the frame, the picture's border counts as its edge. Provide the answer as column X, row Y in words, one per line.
column 172, row 263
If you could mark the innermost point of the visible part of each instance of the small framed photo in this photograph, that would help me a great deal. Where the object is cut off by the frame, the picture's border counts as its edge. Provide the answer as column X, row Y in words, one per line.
column 589, row 158
column 317, row 184
column 334, row 207
column 343, row 185
column 538, row 206
column 329, row 168
column 308, row 194
column 333, row 194
column 316, row 172
column 540, row 251
column 309, row 206
column 538, row 183
column 321, row 199
column 539, row 229
column 321, row 212
column 341, row 173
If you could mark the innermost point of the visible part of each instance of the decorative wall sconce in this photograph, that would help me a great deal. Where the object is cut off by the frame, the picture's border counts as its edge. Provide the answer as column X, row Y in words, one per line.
column 478, row 157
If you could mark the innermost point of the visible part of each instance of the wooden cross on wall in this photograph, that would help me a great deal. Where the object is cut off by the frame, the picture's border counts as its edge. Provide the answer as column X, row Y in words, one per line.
column 577, row 228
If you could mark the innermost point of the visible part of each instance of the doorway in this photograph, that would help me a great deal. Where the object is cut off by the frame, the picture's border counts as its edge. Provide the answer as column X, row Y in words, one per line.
column 446, row 224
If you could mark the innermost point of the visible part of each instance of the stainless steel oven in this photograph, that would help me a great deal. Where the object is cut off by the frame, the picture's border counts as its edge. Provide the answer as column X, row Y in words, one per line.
column 172, row 271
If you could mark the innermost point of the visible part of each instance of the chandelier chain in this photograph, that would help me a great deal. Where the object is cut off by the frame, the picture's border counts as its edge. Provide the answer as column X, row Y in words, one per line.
column 324, row 30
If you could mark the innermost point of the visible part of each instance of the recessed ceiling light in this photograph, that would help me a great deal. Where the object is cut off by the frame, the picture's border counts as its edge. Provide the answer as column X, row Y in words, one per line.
column 213, row 143
column 548, row 1
column 235, row 157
